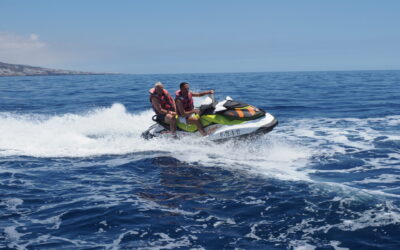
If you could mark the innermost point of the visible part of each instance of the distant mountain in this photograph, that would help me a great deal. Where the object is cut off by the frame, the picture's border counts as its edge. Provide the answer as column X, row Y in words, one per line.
column 7, row 69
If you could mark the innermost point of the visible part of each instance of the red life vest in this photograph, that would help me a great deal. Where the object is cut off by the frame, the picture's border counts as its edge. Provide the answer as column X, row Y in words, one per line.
column 187, row 101
column 165, row 99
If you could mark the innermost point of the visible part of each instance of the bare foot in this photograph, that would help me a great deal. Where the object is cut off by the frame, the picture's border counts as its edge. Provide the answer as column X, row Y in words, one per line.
column 203, row 133
column 211, row 130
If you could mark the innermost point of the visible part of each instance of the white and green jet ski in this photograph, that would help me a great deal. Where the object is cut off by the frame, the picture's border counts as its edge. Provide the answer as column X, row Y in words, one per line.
column 222, row 120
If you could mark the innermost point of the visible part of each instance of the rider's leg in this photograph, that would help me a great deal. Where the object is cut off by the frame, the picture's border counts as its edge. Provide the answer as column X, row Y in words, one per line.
column 171, row 120
column 196, row 121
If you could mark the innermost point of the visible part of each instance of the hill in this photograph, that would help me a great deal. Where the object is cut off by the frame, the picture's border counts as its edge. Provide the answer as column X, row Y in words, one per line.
column 7, row 69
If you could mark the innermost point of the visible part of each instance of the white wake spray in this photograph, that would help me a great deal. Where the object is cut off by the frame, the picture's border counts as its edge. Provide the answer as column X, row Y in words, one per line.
column 101, row 131
column 114, row 130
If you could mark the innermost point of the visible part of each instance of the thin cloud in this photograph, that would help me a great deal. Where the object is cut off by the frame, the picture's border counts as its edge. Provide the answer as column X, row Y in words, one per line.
column 29, row 50
column 12, row 43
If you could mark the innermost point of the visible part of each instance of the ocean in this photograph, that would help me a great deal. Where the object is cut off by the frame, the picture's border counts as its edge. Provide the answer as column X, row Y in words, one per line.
column 75, row 173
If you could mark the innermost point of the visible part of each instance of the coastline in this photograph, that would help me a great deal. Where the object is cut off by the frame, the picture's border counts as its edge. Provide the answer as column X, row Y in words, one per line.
column 7, row 69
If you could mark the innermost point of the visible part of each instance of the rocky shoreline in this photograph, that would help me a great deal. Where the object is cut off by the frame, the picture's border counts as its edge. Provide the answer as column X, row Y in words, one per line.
column 7, row 69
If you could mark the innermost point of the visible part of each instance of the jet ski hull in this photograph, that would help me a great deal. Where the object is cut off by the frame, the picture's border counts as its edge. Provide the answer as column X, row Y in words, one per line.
column 219, row 132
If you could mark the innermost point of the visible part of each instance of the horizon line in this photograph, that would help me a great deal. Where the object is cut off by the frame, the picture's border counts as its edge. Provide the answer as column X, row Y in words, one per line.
column 244, row 72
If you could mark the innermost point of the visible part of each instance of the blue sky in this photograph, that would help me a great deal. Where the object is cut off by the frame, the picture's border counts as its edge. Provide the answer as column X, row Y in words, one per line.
column 177, row 36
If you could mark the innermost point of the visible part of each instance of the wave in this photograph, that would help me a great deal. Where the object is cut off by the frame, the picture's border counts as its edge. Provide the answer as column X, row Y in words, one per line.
column 100, row 131
column 358, row 152
column 113, row 130
column 309, row 145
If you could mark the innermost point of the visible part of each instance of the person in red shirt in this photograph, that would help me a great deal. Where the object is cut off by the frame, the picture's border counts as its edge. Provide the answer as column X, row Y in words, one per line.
column 185, row 106
column 163, row 105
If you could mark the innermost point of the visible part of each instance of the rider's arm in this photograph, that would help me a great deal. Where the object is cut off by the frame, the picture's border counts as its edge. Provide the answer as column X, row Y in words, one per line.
column 174, row 105
column 157, row 106
column 209, row 92
column 182, row 111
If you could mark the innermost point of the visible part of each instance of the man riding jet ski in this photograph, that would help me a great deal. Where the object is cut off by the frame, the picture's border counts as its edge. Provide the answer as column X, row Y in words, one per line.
column 222, row 120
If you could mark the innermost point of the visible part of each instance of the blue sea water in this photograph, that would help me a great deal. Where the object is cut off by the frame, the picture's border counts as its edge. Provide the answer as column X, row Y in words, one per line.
column 75, row 174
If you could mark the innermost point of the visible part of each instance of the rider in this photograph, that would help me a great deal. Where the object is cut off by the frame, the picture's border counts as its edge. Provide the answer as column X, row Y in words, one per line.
column 164, row 106
column 185, row 107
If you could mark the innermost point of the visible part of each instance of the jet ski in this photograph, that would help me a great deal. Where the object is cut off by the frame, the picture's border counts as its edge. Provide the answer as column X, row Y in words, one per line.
column 222, row 120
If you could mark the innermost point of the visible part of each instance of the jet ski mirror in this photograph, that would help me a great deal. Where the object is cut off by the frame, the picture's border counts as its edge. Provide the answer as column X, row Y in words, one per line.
column 207, row 101
column 214, row 102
